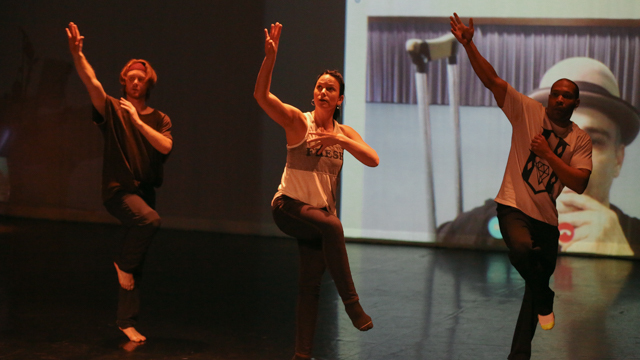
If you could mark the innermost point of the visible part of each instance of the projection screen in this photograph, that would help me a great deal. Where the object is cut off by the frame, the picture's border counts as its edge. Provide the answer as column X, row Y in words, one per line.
column 442, row 140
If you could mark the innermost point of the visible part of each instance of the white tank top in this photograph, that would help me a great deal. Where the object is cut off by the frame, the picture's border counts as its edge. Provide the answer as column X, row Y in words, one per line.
column 309, row 176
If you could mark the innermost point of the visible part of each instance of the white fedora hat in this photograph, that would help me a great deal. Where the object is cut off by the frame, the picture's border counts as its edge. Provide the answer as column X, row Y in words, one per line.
column 598, row 89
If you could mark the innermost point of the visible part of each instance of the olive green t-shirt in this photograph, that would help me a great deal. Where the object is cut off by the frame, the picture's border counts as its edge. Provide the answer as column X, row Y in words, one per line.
column 130, row 161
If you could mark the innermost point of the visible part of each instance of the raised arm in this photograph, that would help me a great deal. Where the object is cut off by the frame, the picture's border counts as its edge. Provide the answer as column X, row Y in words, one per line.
column 287, row 116
column 85, row 71
column 484, row 70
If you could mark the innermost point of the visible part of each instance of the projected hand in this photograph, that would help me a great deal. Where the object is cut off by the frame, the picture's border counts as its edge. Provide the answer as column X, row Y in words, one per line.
column 321, row 139
column 75, row 40
column 596, row 228
column 127, row 106
column 272, row 39
column 540, row 147
column 463, row 33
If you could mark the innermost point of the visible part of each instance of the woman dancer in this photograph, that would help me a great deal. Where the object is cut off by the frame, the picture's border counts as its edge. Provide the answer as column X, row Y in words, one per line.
column 305, row 205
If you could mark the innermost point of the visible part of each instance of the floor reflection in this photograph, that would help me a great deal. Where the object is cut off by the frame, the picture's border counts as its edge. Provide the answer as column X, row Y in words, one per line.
column 131, row 346
column 166, row 346
column 453, row 304
column 233, row 297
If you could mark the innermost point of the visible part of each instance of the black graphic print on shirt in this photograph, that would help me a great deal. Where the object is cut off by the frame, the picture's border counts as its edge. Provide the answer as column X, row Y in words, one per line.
column 537, row 173
column 329, row 152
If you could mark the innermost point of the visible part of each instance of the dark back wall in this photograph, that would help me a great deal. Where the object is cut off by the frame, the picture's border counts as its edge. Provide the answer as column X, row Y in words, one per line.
column 227, row 157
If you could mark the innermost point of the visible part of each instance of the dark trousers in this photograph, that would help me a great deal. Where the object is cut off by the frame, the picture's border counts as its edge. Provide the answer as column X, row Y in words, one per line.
column 141, row 222
column 321, row 246
column 533, row 251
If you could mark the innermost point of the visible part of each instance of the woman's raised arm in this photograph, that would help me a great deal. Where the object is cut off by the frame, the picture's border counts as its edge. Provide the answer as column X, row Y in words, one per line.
column 287, row 116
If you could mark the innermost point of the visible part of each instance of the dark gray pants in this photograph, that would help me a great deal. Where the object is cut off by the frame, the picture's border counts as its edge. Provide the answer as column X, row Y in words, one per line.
column 141, row 222
column 533, row 251
column 321, row 246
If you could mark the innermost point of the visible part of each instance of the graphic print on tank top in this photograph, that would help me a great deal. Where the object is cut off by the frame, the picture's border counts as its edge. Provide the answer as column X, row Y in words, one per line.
column 328, row 152
column 537, row 173
column 311, row 175
column 305, row 158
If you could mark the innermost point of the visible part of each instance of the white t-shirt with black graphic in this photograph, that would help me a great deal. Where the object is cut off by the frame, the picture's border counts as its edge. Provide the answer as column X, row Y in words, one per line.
column 529, row 183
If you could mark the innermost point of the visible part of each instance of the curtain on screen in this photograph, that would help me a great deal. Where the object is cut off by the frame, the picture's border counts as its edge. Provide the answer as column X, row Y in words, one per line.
column 520, row 54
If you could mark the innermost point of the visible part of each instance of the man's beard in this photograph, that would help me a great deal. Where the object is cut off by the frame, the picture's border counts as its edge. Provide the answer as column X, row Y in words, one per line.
column 138, row 96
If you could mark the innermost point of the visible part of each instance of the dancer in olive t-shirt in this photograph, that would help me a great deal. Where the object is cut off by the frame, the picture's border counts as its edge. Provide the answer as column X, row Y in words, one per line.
column 137, row 141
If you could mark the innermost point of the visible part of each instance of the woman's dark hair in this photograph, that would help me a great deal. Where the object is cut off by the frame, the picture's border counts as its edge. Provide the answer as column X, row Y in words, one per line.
column 336, row 75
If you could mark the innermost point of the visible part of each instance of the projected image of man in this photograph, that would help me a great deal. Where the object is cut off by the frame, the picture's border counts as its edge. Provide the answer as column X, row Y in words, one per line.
column 588, row 223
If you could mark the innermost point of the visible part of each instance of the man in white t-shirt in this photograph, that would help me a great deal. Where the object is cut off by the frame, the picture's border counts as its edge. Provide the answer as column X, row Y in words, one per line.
column 548, row 152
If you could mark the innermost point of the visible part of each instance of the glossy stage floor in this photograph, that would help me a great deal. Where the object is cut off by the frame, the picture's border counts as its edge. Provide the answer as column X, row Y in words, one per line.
column 215, row 296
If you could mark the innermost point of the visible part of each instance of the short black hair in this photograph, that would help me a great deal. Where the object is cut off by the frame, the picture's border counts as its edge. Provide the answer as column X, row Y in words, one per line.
column 576, row 92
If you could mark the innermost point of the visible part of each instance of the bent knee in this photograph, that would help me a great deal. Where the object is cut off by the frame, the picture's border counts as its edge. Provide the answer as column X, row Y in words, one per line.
column 519, row 254
column 151, row 219
column 332, row 227
column 309, row 290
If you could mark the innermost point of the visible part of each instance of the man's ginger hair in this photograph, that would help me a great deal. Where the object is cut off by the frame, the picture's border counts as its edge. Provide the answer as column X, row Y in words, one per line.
column 150, row 79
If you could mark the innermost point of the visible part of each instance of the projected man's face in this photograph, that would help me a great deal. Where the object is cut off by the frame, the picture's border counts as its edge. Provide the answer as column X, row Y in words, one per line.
column 135, row 84
column 327, row 92
column 607, row 152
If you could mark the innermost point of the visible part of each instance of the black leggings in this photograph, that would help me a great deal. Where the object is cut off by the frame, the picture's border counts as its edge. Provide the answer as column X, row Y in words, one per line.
column 321, row 246
column 533, row 251
column 141, row 222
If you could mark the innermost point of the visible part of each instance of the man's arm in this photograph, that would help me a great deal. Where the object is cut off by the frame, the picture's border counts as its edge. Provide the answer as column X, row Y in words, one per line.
column 573, row 178
column 85, row 71
column 159, row 142
column 484, row 70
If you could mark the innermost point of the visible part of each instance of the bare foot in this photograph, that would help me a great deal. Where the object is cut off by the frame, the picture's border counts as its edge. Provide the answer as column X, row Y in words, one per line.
column 133, row 334
column 126, row 281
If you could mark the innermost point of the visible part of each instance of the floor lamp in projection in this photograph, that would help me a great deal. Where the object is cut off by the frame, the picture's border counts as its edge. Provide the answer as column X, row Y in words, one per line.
column 421, row 52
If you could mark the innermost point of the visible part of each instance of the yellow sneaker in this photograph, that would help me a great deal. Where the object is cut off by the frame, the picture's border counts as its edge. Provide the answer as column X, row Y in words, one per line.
column 547, row 322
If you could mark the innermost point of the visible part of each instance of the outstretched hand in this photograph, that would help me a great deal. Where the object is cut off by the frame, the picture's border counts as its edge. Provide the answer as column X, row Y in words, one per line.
column 463, row 33
column 75, row 39
column 272, row 39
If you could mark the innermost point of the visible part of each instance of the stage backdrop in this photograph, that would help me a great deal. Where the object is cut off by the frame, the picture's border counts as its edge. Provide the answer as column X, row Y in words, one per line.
column 227, row 157
column 524, row 41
